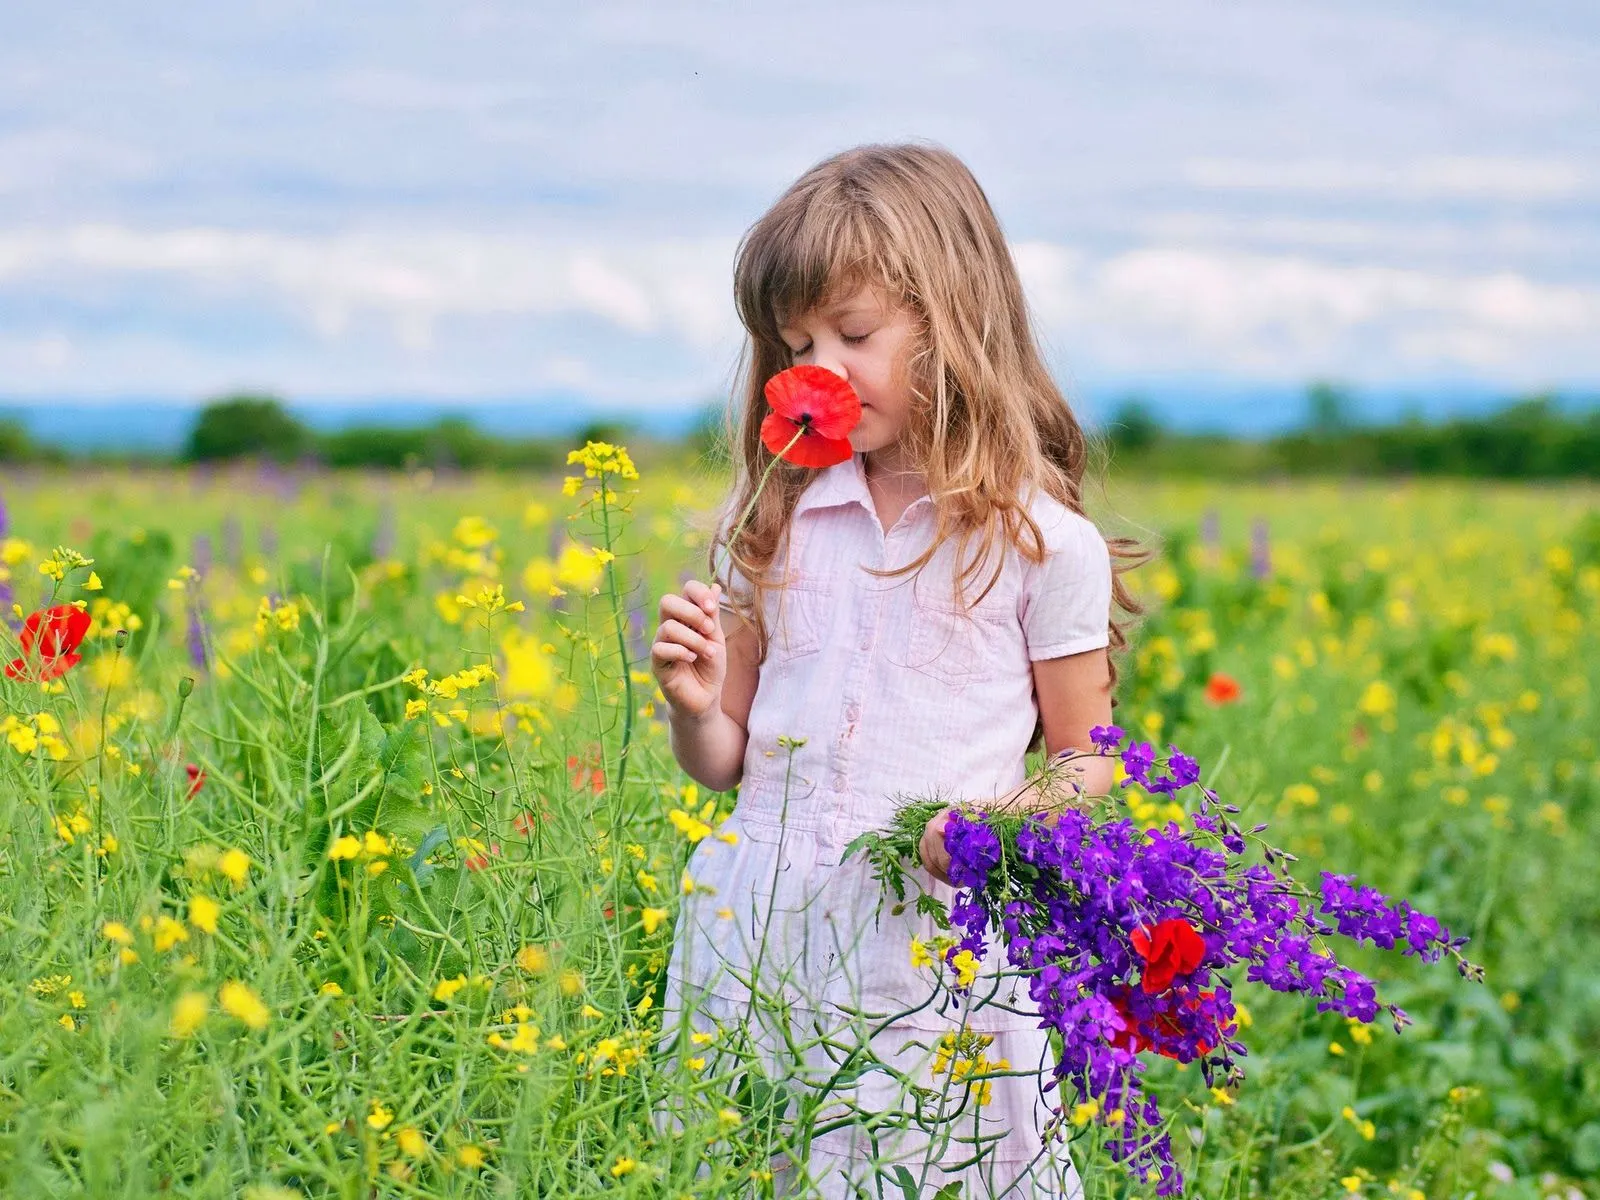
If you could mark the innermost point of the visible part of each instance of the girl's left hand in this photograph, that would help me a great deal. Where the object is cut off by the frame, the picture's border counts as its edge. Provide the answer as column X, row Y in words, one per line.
column 935, row 857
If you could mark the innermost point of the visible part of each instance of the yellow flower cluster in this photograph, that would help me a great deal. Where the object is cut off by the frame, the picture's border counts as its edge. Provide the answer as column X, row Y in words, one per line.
column 600, row 459
column 107, row 616
column 963, row 1057
column 283, row 616
column 614, row 1055
column 448, row 687
column 1364, row 1127
column 34, row 733
column 699, row 825
column 491, row 600
column 62, row 561
column 372, row 845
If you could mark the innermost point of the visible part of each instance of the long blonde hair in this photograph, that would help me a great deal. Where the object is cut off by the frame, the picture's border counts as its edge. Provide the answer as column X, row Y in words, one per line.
column 986, row 417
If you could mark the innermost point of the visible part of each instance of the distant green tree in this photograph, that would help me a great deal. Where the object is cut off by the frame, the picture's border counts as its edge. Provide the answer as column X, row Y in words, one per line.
column 1329, row 408
column 243, row 425
column 615, row 432
column 15, row 444
column 1133, row 426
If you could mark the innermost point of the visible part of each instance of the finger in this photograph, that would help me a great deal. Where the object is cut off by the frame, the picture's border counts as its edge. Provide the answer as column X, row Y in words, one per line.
column 669, row 652
column 680, row 608
column 677, row 631
column 699, row 593
column 706, row 596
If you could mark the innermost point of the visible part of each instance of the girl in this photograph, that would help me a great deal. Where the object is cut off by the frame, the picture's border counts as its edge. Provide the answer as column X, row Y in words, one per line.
column 908, row 622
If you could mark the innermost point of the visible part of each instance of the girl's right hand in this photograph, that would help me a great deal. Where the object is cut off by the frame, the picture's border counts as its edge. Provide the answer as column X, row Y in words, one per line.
column 690, row 653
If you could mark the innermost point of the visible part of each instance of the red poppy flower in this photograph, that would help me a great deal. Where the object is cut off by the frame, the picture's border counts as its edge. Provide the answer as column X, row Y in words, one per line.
column 586, row 773
column 523, row 822
column 1131, row 1036
column 1169, row 949
column 817, row 404
column 1223, row 689
column 197, row 779
column 477, row 862
column 50, row 640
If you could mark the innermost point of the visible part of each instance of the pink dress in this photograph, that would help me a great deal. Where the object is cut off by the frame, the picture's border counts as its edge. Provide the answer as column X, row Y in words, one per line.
column 893, row 692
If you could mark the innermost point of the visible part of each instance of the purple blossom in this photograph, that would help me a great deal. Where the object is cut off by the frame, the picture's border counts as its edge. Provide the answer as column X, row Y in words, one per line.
column 1106, row 738
column 1260, row 550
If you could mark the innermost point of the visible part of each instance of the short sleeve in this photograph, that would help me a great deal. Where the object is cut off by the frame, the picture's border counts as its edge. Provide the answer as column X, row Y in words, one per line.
column 1066, row 599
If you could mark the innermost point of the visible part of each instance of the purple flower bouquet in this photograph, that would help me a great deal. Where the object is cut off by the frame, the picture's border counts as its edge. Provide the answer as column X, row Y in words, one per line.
column 1128, row 936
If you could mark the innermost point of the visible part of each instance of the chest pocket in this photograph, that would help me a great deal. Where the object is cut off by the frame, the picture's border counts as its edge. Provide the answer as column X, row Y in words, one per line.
column 798, row 617
column 950, row 645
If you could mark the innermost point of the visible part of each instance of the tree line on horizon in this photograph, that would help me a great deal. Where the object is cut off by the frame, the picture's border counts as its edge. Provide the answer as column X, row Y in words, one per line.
column 1532, row 437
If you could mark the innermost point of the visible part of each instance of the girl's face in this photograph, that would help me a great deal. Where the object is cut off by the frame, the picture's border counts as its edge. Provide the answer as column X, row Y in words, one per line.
column 867, row 342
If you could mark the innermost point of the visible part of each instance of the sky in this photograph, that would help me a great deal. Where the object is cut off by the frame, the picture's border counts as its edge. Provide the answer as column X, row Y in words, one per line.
column 523, row 202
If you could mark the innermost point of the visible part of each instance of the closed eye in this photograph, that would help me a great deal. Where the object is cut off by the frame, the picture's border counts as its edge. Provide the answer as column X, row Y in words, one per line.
column 854, row 341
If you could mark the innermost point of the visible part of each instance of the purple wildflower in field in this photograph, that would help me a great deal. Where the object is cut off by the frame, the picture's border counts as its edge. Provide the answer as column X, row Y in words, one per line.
column 200, row 553
column 1260, row 550
column 232, row 540
column 195, row 636
column 5, row 517
column 384, row 538
column 1210, row 529
column 1124, row 933
column 268, row 541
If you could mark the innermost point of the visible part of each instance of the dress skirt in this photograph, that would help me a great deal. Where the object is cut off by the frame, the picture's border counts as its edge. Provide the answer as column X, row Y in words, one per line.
column 787, row 956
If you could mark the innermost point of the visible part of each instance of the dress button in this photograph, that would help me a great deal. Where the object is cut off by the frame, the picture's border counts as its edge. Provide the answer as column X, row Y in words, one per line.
column 865, row 642
column 853, row 712
column 838, row 782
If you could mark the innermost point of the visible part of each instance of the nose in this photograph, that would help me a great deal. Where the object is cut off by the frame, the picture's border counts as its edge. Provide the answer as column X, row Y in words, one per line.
column 832, row 363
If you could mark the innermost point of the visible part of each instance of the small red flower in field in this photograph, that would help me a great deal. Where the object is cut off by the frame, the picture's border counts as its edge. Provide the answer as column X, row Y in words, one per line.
column 477, row 862
column 197, row 779
column 1169, row 949
column 50, row 640
column 816, row 404
column 586, row 773
column 1222, row 689
column 523, row 823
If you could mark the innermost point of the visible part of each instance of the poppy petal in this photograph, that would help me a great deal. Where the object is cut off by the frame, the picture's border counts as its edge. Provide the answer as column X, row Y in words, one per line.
column 777, row 431
column 811, row 391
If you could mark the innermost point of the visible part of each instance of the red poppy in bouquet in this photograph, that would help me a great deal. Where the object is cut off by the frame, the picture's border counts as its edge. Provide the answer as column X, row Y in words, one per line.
column 50, row 639
column 1169, row 948
column 813, row 412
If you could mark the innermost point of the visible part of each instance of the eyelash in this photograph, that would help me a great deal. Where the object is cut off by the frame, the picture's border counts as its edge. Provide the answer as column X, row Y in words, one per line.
column 854, row 341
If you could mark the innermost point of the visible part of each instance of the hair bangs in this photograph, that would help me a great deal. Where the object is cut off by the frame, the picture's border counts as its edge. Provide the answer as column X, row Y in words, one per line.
column 817, row 249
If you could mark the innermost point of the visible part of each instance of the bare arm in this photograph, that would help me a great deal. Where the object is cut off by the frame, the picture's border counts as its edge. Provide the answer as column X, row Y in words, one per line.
column 707, row 671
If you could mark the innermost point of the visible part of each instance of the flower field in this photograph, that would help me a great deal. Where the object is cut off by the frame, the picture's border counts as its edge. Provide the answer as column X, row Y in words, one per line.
column 342, row 857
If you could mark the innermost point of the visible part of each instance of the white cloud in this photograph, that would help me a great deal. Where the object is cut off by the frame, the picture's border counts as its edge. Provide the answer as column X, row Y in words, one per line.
column 1282, row 317
column 1466, row 177
column 410, row 279
column 450, row 311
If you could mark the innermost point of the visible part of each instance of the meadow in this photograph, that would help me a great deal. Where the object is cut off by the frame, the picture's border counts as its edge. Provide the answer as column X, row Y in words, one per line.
column 345, row 862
